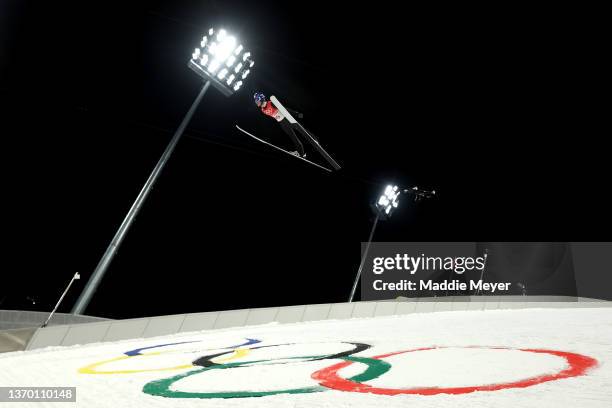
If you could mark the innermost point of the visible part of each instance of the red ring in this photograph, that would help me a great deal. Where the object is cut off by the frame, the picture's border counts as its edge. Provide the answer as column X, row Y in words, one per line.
column 578, row 365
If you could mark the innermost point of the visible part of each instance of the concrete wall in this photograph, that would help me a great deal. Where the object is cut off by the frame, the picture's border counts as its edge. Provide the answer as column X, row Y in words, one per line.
column 112, row 330
column 15, row 340
column 18, row 319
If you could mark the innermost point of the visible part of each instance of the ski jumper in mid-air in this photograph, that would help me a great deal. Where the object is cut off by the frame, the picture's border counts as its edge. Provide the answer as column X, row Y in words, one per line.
column 268, row 108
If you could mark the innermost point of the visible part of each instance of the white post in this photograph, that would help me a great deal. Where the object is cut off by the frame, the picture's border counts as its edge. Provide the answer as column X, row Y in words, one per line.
column 76, row 276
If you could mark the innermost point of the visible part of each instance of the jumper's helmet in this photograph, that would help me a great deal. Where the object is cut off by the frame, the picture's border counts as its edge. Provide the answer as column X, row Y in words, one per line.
column 259, row 97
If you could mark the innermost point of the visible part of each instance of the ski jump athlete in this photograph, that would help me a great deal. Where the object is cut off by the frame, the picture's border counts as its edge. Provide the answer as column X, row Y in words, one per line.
column 268, row 108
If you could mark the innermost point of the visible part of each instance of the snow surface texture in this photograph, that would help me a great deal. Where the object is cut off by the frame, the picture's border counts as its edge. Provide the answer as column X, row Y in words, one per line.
column 282, row 358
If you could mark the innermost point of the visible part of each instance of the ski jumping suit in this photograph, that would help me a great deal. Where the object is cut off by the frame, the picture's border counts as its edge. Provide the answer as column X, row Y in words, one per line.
column 270, row 110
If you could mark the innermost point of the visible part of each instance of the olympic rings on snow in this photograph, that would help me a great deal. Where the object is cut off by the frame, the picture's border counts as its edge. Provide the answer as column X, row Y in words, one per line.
column 328, row 378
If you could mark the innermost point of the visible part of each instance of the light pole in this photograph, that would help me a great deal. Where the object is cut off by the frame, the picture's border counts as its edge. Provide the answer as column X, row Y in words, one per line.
column 76, row 276
column 486, row 255
column 383, row 208
column 221, row 61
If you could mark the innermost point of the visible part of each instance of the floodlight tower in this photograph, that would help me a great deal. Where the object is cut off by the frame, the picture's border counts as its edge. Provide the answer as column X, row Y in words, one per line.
column 383, row 208
column 220, row 60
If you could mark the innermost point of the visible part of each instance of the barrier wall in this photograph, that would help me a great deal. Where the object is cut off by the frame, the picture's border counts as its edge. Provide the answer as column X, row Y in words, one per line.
column 16, row 339
column 18, row 319
column 113, row 330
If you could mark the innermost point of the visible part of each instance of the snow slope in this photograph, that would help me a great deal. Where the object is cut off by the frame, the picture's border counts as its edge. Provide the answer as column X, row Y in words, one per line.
column 513, row 358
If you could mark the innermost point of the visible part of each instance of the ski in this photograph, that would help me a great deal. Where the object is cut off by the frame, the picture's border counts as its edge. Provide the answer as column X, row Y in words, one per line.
column 304, row 132
column 282, row 150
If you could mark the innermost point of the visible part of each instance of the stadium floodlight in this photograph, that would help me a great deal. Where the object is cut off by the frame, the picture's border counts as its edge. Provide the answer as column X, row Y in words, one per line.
column 388, row 201
column 221, row 49
column 213, row 60
column 383, row 208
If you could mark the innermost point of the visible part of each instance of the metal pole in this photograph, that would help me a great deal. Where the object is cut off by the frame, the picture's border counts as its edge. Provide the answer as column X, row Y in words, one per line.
column 363, row 258
column 74, row 277
column 107, row 258
column 486, row 254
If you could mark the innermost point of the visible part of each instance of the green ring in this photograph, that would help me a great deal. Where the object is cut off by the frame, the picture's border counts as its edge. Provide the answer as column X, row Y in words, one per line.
column 161, row 388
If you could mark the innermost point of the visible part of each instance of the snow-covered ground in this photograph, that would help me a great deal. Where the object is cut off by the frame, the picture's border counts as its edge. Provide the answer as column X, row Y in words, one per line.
column 498, row 358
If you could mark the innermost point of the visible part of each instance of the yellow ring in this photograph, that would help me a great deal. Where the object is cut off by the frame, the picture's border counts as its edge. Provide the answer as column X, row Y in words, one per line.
column 91, row 369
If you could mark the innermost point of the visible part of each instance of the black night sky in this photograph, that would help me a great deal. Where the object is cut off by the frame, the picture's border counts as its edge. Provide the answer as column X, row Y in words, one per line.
column 480, row 106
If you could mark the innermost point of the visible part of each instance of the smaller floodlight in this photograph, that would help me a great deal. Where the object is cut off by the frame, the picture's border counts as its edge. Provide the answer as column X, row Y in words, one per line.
column 388, row 201
column 383, row 208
